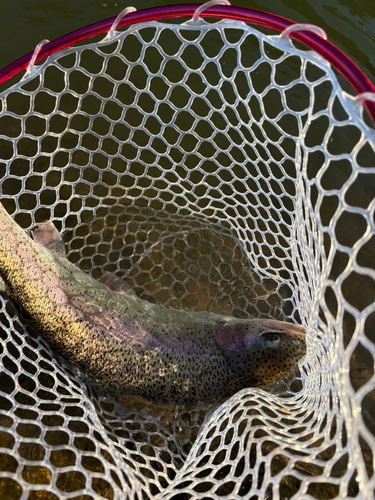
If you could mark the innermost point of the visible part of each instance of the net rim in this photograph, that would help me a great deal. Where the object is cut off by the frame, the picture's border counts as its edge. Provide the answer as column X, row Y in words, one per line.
column 338, row 59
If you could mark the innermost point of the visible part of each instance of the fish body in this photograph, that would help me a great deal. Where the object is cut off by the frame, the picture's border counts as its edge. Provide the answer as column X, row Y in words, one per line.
column 129, row 344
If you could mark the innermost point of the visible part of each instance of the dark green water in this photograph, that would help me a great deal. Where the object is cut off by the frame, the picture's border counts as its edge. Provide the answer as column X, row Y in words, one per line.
column 349, row 24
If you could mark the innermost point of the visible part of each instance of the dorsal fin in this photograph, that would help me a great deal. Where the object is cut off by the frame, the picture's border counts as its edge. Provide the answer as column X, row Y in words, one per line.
column 48, row 236
column 115, row 283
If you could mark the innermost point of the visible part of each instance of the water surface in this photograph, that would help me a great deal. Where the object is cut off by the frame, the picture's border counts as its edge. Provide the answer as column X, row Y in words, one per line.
column 349, row 24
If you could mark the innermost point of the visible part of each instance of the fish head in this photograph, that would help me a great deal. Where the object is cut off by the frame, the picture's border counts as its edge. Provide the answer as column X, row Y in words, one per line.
column 259, row 351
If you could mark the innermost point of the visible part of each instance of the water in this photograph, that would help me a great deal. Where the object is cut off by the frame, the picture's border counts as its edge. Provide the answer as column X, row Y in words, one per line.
column 349, row 24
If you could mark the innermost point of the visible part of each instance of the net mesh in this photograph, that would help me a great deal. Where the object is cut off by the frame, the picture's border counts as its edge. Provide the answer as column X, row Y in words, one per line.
column 216, row 168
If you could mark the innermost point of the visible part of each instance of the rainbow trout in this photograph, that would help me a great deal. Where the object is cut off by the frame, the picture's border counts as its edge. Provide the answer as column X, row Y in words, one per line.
column 129, row 344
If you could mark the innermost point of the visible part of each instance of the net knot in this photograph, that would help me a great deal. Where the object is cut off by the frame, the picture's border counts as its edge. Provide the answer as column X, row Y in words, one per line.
column 304, row 27
column 206, row 6
column 37, row 49
column 116, row 22
column 365, row 96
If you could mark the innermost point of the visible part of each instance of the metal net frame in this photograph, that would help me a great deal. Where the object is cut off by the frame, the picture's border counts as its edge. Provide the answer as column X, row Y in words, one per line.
column 213, row 167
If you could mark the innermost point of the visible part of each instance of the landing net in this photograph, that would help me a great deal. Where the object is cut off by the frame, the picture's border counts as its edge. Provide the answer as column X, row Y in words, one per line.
column 212, row 167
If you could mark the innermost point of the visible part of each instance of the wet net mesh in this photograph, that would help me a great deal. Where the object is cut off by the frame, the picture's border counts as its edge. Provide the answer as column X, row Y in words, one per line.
column 216, row 168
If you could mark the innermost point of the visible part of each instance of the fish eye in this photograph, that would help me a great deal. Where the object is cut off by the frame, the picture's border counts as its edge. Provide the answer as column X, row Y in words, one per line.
column 271, row 339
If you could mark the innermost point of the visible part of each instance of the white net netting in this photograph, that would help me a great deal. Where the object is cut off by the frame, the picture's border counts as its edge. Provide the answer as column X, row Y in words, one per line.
column 216, row 168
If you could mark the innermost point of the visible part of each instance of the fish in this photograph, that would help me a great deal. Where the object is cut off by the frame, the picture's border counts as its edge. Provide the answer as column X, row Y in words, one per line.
column 133, row 346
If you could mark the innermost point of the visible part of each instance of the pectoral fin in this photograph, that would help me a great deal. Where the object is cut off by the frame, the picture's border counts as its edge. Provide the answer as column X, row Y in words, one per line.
column 48, row 236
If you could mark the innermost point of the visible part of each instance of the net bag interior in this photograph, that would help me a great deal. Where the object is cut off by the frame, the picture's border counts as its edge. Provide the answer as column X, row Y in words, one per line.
column 212, row 167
